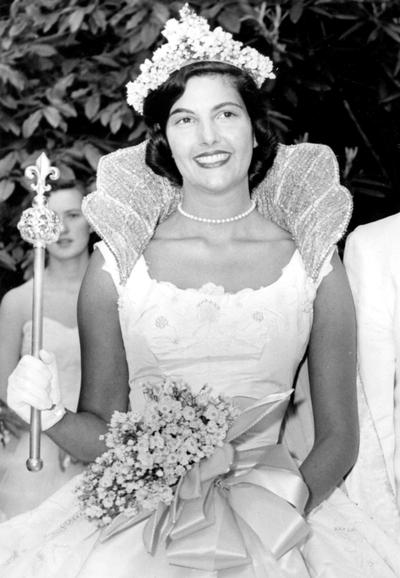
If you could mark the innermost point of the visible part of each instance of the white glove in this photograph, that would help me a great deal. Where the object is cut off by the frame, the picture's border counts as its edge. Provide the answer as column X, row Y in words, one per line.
column 34, row 382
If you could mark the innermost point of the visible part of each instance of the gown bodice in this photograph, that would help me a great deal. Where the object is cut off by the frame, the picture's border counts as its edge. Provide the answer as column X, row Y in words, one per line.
column 246, row 344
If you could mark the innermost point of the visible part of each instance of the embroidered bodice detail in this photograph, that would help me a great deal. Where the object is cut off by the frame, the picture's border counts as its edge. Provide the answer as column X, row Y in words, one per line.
column 248, row 343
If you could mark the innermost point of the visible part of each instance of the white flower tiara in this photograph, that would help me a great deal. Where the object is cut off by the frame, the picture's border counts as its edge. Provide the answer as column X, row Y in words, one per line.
column 192, row 40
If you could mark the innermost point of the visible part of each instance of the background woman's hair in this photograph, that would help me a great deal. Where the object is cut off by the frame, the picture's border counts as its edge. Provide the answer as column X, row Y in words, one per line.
column 70, row 184
column 158, row 105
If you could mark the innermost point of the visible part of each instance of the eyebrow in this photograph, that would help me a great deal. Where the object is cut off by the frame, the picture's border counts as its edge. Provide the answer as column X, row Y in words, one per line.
column 216, row 107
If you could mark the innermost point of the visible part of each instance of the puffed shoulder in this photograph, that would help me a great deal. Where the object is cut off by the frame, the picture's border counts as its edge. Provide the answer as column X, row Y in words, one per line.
column 300, row 193
column 129, row 201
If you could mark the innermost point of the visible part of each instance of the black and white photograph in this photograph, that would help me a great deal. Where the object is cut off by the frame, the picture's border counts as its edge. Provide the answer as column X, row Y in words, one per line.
column 200, row 289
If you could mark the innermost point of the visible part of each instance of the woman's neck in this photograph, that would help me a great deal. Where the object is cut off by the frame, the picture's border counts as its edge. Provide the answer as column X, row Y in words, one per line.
column 216, row 206
column 68, row 273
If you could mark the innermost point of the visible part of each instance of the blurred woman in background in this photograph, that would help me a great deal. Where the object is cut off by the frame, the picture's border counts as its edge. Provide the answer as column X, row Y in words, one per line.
column 67, row 260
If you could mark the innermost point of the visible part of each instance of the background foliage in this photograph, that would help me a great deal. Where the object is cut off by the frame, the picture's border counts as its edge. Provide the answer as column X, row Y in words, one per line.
column 64, row 65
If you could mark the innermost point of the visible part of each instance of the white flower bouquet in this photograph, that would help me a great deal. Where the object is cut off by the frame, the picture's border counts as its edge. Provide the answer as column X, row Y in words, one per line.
column 149, row 452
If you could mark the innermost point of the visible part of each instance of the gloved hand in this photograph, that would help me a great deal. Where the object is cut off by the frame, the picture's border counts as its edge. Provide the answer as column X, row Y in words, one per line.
column 34, row 382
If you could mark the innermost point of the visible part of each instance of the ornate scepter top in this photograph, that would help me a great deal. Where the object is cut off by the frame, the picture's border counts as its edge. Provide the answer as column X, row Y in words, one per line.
column 39, row 225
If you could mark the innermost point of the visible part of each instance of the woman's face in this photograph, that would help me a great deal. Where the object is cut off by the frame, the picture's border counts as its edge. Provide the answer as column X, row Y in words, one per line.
column 75, row 232
column 210, row 135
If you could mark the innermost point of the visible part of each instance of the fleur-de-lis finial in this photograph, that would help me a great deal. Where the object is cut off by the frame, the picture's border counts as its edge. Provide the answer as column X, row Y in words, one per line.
column 41, row 170
column 39, row 225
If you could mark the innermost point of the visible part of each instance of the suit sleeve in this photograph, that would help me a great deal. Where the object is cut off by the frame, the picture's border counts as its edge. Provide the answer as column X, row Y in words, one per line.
column 367, row 262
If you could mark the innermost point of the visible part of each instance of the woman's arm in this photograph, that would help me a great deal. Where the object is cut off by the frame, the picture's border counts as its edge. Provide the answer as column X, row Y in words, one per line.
column 105, row 386
column 332, row 370
column 12, row 319
column 11, row 323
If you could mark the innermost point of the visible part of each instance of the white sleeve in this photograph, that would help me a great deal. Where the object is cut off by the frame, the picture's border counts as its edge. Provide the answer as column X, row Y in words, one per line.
column 367, row 266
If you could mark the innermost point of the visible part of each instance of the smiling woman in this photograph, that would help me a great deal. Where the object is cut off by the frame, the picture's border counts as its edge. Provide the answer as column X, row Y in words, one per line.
column 209, row 132
column 215, row 294
column 211, row 143
column 237, row 92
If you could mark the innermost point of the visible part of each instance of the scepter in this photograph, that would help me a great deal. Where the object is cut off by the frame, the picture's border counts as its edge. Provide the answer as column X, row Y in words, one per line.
column 39, row 226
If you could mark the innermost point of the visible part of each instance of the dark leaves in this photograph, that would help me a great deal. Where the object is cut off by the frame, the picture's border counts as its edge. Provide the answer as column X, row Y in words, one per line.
column 31, row 123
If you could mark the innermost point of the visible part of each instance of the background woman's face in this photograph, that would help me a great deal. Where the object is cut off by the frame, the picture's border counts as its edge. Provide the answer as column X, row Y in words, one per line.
column 210, row 135
column 74, row 237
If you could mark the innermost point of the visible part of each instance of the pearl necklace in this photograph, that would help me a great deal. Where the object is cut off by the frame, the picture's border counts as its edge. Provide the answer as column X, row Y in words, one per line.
column 217, row 221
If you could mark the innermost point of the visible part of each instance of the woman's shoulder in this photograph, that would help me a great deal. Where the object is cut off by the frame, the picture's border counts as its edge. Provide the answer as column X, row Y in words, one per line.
column 383, row 232
column 269, row 230
column 101, row 282
column 275, row 239
column 17, row 297
column 17, row 303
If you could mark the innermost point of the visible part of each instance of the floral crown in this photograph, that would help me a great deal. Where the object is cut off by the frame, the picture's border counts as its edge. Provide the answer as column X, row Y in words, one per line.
column 192, row 40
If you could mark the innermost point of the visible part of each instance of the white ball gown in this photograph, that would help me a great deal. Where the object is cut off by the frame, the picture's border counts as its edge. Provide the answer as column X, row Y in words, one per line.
column 247, row 344
column 21, row 490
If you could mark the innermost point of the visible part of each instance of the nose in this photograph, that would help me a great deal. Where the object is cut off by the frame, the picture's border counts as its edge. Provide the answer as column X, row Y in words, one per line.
column 208, row 132
column 64, row 224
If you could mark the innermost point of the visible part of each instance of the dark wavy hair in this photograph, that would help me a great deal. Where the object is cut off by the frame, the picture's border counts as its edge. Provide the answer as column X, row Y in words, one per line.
column 158, row 103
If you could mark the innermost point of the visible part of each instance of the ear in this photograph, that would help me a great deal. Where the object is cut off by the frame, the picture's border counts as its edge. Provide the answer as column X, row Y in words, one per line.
column 255, row 143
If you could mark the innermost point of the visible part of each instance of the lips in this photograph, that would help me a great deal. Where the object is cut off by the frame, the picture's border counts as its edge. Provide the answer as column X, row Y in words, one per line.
column 64, row 242
column 212, row 159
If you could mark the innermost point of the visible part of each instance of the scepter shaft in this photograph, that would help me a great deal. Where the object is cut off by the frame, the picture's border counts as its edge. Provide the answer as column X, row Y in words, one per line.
column 34, row 461
column 37, row 301
column 38, row 226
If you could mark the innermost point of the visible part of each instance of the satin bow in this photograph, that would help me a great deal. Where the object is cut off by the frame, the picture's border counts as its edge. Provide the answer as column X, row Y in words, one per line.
column 248, row 488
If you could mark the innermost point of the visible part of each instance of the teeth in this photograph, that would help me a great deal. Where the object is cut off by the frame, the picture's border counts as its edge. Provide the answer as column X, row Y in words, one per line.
column 213, row 158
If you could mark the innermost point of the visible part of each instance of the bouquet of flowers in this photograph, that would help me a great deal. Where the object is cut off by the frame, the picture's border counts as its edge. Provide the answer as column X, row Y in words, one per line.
column 149, row 452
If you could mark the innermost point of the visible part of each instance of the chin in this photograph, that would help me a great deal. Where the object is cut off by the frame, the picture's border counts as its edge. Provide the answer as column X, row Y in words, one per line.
column 66, row 253
column 219, row 183
column 223, row 187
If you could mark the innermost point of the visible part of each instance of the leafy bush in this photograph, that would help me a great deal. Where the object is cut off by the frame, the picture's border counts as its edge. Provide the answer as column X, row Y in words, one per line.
column 64, row 65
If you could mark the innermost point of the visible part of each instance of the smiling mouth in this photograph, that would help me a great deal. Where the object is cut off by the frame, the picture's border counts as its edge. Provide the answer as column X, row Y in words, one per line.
column 210, row 161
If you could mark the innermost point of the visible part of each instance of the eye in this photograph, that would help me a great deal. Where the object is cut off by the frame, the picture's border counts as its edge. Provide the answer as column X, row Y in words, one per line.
column 184, row 120
column 227, row 114
column 74, row 214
